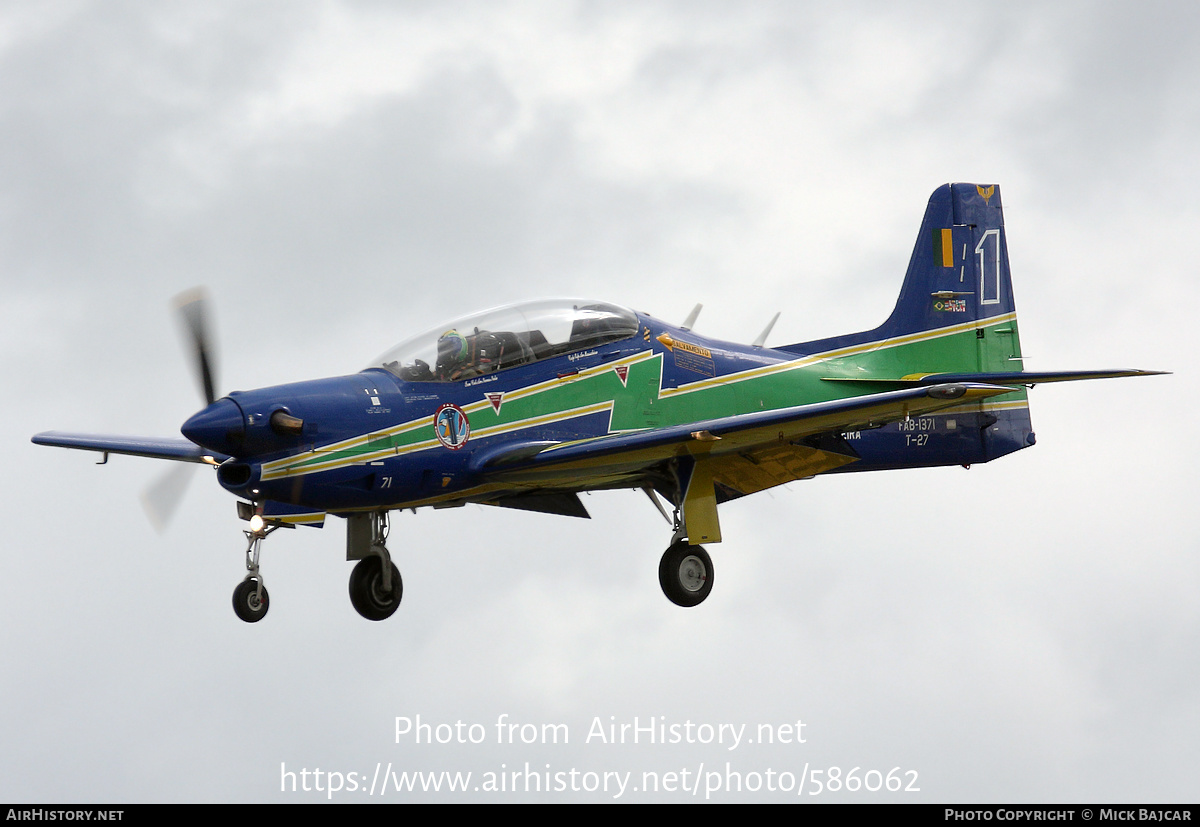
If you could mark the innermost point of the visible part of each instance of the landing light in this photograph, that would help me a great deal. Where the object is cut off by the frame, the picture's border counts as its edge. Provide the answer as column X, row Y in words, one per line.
column 257, row 523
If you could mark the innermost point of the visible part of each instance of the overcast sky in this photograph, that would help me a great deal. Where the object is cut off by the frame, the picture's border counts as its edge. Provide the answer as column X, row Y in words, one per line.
column 343, row 174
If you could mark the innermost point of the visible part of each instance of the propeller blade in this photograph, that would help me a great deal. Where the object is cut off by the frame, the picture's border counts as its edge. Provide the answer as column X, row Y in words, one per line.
column 193, row 311
column 161, row 498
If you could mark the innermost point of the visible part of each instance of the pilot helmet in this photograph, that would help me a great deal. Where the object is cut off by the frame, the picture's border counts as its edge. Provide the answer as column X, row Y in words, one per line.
column 452, row 347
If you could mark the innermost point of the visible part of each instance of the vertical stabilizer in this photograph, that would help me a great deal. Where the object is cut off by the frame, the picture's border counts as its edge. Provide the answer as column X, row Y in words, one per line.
column 959, row 267
column 957, row 292
column 955, row 316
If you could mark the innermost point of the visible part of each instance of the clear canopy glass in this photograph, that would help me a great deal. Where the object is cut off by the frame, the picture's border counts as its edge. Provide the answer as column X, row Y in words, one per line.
column 505, row 337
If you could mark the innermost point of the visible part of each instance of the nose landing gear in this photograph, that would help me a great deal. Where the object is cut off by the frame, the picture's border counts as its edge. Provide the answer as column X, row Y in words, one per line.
column 250, row 601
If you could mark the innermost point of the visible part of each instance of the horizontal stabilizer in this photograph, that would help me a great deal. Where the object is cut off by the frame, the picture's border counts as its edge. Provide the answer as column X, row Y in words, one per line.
column 1034, row 377
column 1004, row 378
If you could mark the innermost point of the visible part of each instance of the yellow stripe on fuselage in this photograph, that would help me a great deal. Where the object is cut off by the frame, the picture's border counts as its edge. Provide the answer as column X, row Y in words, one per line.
column 841, row 353
column 301, row 464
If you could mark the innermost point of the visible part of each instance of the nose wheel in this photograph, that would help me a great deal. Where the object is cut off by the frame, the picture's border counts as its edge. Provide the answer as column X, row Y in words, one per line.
column 250, row 601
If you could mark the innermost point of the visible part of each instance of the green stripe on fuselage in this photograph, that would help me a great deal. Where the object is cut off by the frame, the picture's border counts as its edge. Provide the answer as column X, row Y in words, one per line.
column 797, row 382
column 640, row 402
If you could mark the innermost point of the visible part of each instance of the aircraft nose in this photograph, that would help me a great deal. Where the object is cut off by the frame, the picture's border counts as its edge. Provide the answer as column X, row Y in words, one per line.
column 220, row 427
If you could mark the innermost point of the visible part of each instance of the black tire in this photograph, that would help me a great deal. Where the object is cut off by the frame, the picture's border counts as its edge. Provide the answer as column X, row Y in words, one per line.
column 366, row 589
column 686, row 574
column 246, row 602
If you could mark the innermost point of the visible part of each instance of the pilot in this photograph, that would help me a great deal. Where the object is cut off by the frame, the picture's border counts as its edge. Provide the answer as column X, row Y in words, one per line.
column 452, row 356
column 462, row 358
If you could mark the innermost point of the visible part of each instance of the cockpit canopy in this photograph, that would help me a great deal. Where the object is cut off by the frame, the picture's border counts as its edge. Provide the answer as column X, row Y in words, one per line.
column 505, row 337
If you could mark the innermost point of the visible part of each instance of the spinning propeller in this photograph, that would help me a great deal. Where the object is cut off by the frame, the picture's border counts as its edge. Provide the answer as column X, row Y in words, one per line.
column 162, row 497
column 193, row 312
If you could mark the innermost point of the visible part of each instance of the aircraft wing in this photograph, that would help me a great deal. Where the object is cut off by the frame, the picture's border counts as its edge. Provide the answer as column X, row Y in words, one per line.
column 175, row 448
column 747, row 452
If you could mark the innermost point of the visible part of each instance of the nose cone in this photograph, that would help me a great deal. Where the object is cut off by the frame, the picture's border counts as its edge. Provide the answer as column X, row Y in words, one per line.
column 219, row 427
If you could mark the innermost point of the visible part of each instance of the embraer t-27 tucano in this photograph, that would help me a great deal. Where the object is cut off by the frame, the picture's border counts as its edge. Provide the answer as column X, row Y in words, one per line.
column 525, row 406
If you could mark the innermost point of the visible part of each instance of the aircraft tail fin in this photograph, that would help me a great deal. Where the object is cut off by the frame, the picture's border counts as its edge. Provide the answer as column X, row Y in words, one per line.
column 955, row 316
column 959, row 268
column 955, row 320
column 955, row 312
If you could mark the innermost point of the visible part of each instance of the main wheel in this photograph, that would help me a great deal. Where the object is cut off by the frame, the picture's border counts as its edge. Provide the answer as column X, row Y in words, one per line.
column 686, row 574
column 366, row 589
column 247, row 603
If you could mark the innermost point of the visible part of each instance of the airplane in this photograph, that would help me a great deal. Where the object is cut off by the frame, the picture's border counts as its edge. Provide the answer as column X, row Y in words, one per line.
column 527, row 405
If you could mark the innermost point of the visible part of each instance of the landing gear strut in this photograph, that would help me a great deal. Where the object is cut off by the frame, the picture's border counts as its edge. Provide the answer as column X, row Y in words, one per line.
column 250, row 601
column 375, row 584
column 685, row 571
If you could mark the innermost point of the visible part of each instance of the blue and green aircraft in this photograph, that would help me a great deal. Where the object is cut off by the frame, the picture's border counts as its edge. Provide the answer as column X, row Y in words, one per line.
column 526, row 406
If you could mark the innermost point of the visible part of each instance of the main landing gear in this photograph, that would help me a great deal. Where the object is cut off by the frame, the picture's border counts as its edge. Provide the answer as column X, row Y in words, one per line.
column 685, row 571
column 375, row 584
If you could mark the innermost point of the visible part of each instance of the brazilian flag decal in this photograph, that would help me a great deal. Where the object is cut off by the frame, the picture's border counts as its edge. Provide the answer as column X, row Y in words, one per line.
column 943, row 247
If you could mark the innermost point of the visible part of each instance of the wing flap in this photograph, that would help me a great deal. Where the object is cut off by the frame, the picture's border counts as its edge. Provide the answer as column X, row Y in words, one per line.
column 753, row 471
column 567, row 504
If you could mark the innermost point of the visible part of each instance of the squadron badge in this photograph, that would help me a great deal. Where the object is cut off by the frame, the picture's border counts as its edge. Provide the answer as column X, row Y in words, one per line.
column 451, row 426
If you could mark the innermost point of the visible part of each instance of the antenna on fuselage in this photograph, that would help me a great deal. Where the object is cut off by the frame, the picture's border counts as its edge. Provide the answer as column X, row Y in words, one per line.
column 762, row 337
column 691, row 319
